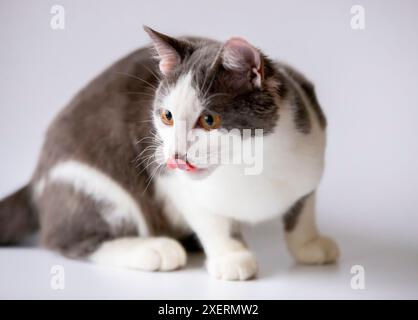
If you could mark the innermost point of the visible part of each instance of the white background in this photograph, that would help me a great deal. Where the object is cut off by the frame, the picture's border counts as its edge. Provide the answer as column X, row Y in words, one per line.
column 366, row 81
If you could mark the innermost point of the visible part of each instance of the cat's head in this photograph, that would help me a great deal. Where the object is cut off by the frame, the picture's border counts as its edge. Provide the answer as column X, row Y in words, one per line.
column 210, row 91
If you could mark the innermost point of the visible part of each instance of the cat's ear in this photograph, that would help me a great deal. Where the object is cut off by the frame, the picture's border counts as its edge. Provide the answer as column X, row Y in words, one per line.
column 244, row 60
column 170, row 51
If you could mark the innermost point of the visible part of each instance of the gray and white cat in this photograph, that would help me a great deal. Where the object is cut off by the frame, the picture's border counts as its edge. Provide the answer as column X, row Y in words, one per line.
column 116, row 182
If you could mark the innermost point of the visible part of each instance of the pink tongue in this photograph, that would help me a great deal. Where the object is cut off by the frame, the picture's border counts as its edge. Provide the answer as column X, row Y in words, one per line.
column 180, row 164
column 171, row 163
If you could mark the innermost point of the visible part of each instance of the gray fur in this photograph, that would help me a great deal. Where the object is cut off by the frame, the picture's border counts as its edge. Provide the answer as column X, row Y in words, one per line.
column 17, row 216
column 301, row 114
column 107, row 126
column 291, row 217
column 71, row 222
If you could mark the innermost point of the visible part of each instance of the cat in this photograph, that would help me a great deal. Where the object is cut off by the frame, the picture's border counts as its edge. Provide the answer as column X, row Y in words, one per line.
column 116, row 184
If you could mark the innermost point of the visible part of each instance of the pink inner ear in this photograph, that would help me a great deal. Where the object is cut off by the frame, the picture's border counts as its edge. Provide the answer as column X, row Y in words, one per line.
column 239, row 54
column 169, row 58
column 167, row 64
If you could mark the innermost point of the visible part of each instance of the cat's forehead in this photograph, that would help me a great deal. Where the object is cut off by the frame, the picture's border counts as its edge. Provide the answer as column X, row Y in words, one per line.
column 182, row 98
column 201, row 84
column 201, row 65
column 184, row 91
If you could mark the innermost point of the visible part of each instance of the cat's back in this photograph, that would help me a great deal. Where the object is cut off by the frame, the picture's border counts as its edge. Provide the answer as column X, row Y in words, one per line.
column 97, row 126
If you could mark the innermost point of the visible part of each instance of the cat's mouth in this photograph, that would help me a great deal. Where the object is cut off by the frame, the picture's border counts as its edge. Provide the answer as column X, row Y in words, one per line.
column 173, row 164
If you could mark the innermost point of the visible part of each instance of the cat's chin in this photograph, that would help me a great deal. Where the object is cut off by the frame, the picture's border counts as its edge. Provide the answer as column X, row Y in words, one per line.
column 199, row 173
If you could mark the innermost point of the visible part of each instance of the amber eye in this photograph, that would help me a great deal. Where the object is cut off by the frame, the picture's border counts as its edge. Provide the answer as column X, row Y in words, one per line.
column 210, row 121
column 166, row 117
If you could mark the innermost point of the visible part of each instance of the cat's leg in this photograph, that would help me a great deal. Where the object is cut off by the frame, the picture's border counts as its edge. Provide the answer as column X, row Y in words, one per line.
column 81, row 227
column 228, row 257
column 303, row 239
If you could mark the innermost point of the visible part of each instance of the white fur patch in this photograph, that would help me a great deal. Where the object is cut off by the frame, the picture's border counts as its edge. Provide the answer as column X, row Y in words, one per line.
column 150, row 254
column 101, row 188
column 183, row 102
column 238, row 265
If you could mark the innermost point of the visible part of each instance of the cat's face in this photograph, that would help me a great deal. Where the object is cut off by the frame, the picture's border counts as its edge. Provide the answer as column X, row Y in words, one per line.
column 211, row 98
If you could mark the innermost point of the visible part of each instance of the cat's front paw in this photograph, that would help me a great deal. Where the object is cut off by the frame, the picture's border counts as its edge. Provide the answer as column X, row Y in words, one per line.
column 318, row 251
column 237, row 265
column 161, row 254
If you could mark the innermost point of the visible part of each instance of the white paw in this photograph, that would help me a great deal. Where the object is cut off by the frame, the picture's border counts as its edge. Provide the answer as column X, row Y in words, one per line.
column 238, row 265
column 160, row 254
column 319, row 251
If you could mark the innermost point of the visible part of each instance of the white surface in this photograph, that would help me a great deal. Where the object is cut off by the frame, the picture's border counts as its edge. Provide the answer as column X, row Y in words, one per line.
column 390, row 273
column 366, row 81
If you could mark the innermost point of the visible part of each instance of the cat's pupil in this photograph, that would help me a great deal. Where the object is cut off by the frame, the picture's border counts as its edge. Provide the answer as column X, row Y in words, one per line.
column 209, row 120
column 168, row 115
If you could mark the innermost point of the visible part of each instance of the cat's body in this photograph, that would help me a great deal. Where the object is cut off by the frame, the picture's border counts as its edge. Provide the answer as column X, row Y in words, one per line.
column 100, row 193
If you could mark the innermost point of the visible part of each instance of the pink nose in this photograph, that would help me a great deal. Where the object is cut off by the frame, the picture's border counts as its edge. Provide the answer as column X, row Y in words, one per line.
column 180, row 164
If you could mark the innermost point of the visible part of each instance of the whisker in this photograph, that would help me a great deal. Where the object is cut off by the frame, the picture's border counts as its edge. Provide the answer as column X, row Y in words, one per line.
column 148, row 165
column 136, row 78
column 211, row 97
column 139, row 93
column 157, row 77
column 147, row 149
column 144, row 139
column 152, row 177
